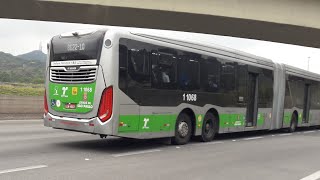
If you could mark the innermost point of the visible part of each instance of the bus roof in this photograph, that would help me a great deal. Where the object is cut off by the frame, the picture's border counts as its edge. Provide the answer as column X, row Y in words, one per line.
column 301, row 73
column 213, row 48
column 210, row 48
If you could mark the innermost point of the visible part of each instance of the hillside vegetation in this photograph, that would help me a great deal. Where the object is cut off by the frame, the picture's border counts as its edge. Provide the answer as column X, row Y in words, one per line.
column 22, row 75
column 20, row 89
column 14, row 69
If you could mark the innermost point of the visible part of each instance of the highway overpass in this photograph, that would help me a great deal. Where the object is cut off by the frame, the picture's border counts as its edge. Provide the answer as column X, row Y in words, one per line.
column 286, row 21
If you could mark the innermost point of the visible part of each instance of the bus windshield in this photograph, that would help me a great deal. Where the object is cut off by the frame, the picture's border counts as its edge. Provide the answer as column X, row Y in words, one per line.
column 77, row 47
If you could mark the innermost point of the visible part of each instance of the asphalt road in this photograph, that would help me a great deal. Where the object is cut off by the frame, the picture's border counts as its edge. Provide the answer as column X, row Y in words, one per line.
column 29, row 150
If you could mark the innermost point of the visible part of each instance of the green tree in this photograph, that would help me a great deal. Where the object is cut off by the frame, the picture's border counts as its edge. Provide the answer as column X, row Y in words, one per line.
column 4, row 77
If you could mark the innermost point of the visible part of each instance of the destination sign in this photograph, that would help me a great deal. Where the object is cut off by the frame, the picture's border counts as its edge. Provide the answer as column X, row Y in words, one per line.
column 76, row 47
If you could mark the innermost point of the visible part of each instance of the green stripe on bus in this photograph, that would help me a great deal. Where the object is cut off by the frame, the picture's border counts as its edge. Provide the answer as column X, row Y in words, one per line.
column 287, row 118
column 260, row 120
column 161, row 123
column 300, row 118
column 232, row 120
column 146, row 123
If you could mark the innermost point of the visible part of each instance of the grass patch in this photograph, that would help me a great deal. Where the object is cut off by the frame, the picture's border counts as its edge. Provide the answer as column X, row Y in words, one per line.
column 20, row 89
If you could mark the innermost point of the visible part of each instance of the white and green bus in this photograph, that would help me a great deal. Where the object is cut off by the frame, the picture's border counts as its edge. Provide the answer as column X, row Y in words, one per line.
column 119, row 83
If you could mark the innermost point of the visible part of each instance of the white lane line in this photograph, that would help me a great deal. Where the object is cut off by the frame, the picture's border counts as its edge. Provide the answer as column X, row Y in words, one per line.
column 313, row 176
column 42, row 136
column 253, row 138
column 306, row 132
column 234, row 140
column 136, row 153
column 287, row 134
column 208, row 143
column 273, row 135
column 17, row 121
column 22, row 169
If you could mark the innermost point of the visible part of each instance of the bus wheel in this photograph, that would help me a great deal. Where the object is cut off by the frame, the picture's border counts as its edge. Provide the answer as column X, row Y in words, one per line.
column 209, row 127
column 293, row 123
column 183, row 130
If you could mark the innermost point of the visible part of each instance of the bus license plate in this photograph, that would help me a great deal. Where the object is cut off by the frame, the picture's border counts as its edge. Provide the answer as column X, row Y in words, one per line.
column 70, row 106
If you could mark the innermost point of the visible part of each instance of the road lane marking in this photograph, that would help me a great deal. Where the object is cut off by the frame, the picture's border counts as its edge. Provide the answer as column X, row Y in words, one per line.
column 287, row 134
column 208, row 143
column 313, row 176
column 136, row 153
column 22, row 169
column 234, row 140
column 42, row 136
column 253, row 138
column 306, row 132
column 18, row 121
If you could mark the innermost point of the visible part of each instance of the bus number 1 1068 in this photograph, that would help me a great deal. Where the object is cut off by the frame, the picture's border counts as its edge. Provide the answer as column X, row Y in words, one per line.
column 189, row 97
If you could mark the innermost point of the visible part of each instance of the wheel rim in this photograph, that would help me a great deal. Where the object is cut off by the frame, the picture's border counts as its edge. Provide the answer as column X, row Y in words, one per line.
column 183, row 129
column 208, row 129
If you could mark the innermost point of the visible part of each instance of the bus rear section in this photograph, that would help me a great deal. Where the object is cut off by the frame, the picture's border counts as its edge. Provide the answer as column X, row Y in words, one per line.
column 77, row 95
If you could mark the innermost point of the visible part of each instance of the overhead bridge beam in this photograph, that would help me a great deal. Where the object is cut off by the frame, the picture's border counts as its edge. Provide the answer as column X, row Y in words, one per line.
column 286, row 21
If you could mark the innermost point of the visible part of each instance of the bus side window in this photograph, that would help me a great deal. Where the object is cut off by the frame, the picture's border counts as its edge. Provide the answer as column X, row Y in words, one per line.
column 315, row 96
column 228, row 76
column 139, row 65
column 210, row 74
column 188, row 73
column 242, row 73
column 297, row 89
column 265, row 88
column 123, row 67
column 164, row 67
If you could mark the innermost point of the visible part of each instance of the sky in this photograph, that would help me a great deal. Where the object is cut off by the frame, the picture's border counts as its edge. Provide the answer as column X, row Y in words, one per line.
column 22, row 36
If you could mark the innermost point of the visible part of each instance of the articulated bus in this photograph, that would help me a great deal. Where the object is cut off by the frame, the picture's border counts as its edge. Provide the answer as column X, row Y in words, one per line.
column 119, row 83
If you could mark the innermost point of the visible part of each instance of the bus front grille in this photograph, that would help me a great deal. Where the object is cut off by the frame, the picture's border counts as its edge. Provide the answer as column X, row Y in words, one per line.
column 84, row 74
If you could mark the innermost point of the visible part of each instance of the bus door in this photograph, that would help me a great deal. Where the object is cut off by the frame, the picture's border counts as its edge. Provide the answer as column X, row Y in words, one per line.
column 252, row 100
column 306, row 104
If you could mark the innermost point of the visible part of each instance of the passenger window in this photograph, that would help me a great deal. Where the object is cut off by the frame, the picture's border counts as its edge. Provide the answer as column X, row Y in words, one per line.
column 315, row 96
column 123, row 55
column 140, row 61
column 123, row 67
column 210, row 75
column 139, row 69
column 228, row 76
column 241, row 85
column 188, row 70
column 266, row 87
column 164, row 68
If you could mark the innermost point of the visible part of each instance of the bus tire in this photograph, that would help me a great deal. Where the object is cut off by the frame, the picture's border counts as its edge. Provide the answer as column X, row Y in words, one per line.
column 209, row 127
column 293, row 123
column 183, row 130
